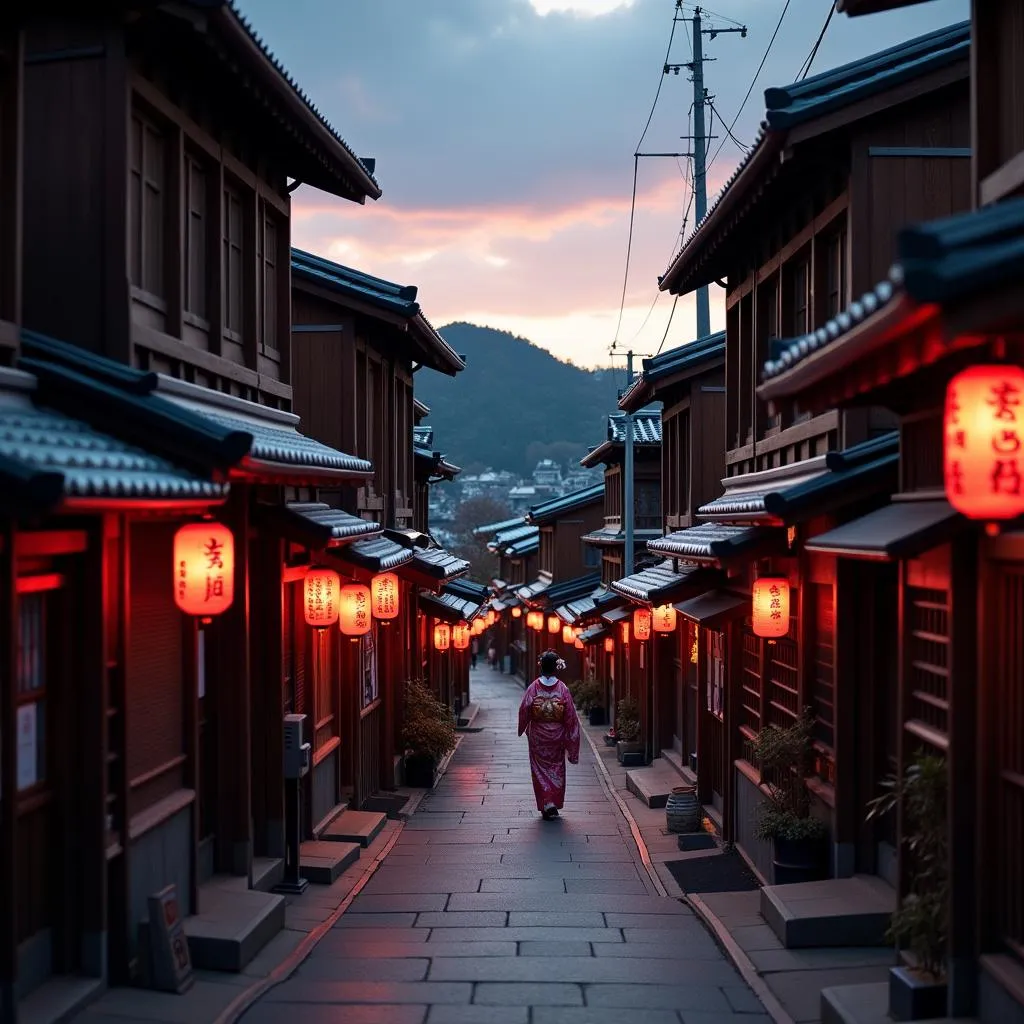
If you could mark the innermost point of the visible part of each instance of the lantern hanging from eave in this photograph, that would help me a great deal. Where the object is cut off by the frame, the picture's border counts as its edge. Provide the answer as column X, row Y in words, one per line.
column 554, row 623
column 624, row 632
column 460, row 636
column 204, row 568
column 578, row 643
column 354, row 607
column 567, row 635
column 517, row 612
column 492, row 616
column 442, row 636
column 664, row 617
column 320, row 590
column 984, row 442
column 770, row 606
column 642, row 623
column 609, row 645
column 478, row 627
column 384, row 591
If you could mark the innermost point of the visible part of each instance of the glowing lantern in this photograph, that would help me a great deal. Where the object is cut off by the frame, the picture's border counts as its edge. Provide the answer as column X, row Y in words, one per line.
column 770, row 606
column 578, row 644
column 478, row 627
column 320, row 592
column 567, row 635
column 492, row 617
column 204, row 568
column 642, row 623
column 553, row 623
column 355, row 610
column 664, row 619
column 384, row 594
column 609, row 645
column 517, row 612
column 442, row 637
column 624, row 632
column 535, row 621
column 695, row 646
column 460, row 636
column 984, row 443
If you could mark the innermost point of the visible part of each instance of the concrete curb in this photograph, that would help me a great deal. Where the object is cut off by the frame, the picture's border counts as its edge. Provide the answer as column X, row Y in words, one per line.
column 740, row 961
column 413, row 803
column 291, row 963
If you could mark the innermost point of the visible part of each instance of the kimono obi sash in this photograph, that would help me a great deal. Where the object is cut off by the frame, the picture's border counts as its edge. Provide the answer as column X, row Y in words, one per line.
column 547, row 708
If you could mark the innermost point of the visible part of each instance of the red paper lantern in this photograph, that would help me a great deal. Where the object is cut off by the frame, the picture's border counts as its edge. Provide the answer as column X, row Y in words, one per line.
column 984, row 442
column 664, row 619
column 204, row 568
column 320, row 593
column 492, row 617
column 624, row 631
column 460, row 636
column 770, row 606
column 442, row 637
column 609, row 645
column 642, row 623
column 553, row 624
column 578, row 644
column 384, row 591
column 567, row 635
column 478, row 627
column 354, row 604
column 517, row 612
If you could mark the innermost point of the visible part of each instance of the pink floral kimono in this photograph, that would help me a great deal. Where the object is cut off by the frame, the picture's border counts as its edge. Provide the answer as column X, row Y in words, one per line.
column 548, row 717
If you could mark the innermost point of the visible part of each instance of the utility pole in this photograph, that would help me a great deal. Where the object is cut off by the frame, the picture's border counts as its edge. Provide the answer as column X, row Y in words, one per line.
column 627, row 497
column 699, row 138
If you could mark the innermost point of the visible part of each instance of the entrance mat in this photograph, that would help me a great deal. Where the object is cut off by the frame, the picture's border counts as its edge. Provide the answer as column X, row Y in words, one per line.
column 690, row 841
column 718, row 872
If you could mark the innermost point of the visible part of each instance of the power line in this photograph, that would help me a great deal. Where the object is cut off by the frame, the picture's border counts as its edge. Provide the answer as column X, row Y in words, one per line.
column 806, row 66
column 722, row 121
column 661, row 79
column 753, row 81
column 671, row 313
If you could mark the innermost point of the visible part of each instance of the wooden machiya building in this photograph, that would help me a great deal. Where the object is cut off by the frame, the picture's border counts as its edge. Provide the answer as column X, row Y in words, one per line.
column 807, row 220
column 157, row 207
column 517, row 545
column 563, row 574
column 356, row 342
column 689, row 384
column 939, row 342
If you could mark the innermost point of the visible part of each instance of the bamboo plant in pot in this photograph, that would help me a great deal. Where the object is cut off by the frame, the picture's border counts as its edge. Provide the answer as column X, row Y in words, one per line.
column 797, row 838
column 921, row 923
column 628, row 748
column 428, row 733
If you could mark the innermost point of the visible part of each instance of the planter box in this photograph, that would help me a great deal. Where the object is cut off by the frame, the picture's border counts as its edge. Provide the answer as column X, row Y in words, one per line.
column 798, row 860
column 913, row 997
column 420, row 771
column 597, row 716
column 630, row 754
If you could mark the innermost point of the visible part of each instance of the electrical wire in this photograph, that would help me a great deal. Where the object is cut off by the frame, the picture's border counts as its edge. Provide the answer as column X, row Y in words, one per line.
column 671, row 313
column 806, row 66
column 721, row 121
column 753, row 81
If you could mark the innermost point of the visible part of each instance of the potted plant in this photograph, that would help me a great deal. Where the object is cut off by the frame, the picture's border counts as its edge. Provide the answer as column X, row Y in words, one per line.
column 586, row 695
column 921, row 922
column 428, row 733
column 628, row 748
column 797, row 838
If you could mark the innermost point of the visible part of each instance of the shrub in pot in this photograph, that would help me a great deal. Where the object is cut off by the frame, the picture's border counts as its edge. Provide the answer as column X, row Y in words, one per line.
column 586, row 695
column 428, row 733
column 921, row 923
column 797, row 838
column 627, row 731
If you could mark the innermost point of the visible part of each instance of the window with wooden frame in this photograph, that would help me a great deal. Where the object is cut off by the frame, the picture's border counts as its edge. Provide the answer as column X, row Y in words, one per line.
column 836, row 294
column 783, row 676
column 547, row 549
column 147, row 205
column 268, row 279
column 801, row 285
column 669, row 463
column 324, row 705
column 294, row 650
column 822, row 682
column 196, row 242
column 368, row 652
column 591, row 556
column 715, row 697
column 31, row 696
column 233, row 262
column 751, row 683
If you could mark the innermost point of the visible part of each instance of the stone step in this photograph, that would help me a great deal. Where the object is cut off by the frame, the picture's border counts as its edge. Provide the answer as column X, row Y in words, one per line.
column 866, row 1004
column 267, row 872
column 675, row 761
column 360, row 827
column 232, row 925
column 322, row 862
column 654, row 783
column 836, row 912
column 391, row 804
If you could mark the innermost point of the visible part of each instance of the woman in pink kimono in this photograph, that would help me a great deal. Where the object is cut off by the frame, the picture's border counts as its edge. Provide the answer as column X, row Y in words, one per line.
column 548, row 717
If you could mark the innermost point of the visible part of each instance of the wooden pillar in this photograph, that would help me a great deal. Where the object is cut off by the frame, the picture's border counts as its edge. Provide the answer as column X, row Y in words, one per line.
column 8, row 772
column 731, row 739
column 703, row 771
column 962, row 765
column 853, row 749
column 230, row 689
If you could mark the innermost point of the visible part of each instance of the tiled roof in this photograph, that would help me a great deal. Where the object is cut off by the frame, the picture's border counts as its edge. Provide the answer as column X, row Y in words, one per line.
column 423, row 435
column 376, row 554
column 815, row 97
column 497, row 528
column 564, row 591
column 593, row 634
column 533, row 590
column 526, row 546
column 661, row 584
column 450, row 607
column 646, row 434
column 316, row 525
column 613, row 536
column 548, row 511
column 384, row 295
column 708, row 542
column 581, row 608
column 438, row 563
column 420, row 407
column 469, row 589
column 676, row 360
column 513, row 535
column 744, row 496
column 90, row 464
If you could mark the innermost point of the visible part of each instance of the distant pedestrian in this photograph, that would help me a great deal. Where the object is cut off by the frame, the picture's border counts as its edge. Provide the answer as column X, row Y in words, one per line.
column 548, row 717
column 492, row 656
column 474, row 652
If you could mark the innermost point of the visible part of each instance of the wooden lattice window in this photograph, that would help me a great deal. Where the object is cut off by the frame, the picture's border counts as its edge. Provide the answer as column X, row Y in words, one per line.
column 823, row 677
column 835, row 282
column 267, row 280
column 197, row 226
column 928, row 665
column 752, row 680
column 783, row 680
column 233, row 261
column 147, row 205
column 31, row 695
column 323, row 676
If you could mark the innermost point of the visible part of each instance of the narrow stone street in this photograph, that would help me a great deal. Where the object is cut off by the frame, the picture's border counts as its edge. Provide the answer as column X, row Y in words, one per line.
column 483, row 912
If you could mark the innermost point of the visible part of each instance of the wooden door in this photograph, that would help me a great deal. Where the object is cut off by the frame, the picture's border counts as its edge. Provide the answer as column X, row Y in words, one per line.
column 207, row 726
column 371, row 719
column 714, row 751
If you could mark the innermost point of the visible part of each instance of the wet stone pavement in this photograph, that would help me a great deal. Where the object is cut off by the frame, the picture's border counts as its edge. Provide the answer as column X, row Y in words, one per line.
column 483, row 912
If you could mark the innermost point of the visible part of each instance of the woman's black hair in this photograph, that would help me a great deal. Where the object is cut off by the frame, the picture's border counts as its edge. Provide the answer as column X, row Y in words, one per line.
column 548, row 663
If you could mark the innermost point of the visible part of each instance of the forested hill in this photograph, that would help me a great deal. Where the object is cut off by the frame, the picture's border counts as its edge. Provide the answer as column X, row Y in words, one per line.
column 515, row 403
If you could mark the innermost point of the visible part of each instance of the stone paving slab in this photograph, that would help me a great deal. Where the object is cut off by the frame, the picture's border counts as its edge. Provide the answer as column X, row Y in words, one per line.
column 482, row 912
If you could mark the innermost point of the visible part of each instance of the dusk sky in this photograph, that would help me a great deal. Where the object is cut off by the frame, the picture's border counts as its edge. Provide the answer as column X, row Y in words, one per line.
column 504, row 133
